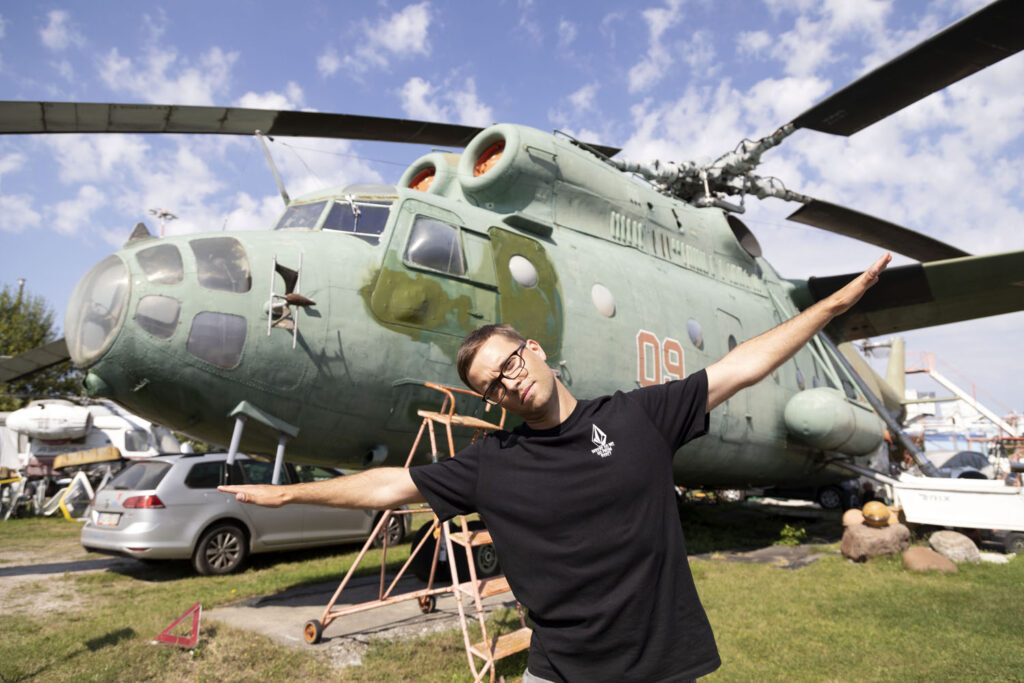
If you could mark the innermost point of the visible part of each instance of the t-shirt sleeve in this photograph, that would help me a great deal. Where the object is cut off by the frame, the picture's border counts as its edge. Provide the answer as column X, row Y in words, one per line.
column 450, row 485
column 677, row 408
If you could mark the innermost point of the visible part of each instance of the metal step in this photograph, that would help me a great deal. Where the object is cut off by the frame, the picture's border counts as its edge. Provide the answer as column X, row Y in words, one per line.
column 504, row 645
column 494, row 585
column 473, row 537
column 457, row 420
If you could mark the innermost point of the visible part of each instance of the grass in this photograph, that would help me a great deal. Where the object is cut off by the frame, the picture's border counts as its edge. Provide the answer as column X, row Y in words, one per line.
column 831, row 620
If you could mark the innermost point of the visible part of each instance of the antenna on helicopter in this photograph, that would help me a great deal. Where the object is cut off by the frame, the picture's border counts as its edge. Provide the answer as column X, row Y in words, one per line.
column 273, row 167
column 164, row 215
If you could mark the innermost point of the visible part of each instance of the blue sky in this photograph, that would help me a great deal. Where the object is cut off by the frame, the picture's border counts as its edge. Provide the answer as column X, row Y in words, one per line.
column 676, row 80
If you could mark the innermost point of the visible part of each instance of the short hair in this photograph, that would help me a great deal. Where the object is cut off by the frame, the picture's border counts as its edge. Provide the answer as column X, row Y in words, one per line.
column 475, row 339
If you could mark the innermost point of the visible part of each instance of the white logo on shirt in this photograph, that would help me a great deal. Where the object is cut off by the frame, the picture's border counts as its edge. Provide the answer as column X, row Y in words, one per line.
column 600, row 439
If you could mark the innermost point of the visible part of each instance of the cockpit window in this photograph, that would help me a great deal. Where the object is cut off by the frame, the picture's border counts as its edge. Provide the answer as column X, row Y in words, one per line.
column 434, row 244
column 158, row 315
column 217, row 338
column 221, row 264
column 161, row 264
column 364, row 219
column 301, row 216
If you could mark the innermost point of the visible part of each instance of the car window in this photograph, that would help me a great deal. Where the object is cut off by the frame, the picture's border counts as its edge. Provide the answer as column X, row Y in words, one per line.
column 257, row 472
column 136, row 440
column 308, row 473
column 140, row 476
column 205, row 475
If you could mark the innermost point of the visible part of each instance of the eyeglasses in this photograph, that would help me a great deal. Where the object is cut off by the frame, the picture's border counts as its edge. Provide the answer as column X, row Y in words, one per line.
column 510, row 369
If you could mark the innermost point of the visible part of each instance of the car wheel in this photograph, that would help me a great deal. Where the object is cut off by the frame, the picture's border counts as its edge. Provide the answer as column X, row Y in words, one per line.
column 395, row 532
column 830, row 498
column 1014, row 543
column 221, row 550
column 484, row 557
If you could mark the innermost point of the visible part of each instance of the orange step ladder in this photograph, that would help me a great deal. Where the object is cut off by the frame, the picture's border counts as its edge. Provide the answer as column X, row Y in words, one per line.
column 483, row 655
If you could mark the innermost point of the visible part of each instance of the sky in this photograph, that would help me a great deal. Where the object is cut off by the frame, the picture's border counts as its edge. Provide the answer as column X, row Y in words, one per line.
column 672, row 80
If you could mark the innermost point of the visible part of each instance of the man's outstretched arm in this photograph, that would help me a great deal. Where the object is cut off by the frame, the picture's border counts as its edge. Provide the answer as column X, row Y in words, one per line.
column 752, row 360
column 377, row 489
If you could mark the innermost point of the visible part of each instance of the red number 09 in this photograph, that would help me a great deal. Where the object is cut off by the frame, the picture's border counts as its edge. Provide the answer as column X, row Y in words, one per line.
column 658, row 361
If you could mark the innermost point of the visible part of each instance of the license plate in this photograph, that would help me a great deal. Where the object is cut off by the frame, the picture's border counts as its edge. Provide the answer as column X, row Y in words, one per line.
column 108, row 518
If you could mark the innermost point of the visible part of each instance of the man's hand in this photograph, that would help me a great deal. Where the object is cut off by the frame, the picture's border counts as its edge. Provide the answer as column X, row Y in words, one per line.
column 268, row 496
column 844, row 299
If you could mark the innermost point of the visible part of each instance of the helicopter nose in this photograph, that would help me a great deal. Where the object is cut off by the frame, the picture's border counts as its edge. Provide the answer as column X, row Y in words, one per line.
column 96, row 310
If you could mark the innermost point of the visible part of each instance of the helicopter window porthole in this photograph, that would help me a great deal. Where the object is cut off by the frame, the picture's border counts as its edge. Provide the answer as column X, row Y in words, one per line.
column 158, row 315
column 604, row 300
column 161, row 264
column 696, row 333
column 221, row 264
column 217, row 338
column 301, row 216
column 434, row 244
column 523, row 272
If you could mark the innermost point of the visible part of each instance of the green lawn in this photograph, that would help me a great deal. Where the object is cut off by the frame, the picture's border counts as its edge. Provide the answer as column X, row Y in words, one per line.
column 832, row 620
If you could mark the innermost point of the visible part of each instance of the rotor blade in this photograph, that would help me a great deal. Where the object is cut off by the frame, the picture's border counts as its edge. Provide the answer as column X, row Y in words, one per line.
column 992, row 33
column 92, row 117
column 33, row 360
column 843, row 221
column 924, row 294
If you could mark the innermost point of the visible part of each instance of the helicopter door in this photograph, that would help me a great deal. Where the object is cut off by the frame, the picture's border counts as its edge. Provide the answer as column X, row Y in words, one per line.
column 529, row 295
column 437, row 274
column 735, row 411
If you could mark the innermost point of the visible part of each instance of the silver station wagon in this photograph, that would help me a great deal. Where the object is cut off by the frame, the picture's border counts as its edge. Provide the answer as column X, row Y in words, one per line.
column 168, row 508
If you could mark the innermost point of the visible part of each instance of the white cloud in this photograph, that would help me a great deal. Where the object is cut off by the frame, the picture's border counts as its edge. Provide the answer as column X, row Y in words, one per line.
column 328, row 62
column 651, row 68
column 403, row 34
column 423, row 100
column 84, row 158
column 12, row 162
column 566, row 33
column 64, row 68
column 753, row 42
column 161, row 77
column 17, row 214
column 583, row 99
column 699, row 53
column 291, row 98
column 59, row 34
column 72, row 215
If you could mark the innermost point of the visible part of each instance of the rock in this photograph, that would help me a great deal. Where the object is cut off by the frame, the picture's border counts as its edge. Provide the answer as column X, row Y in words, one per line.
column 921, row 559
column 853, row 517
column 861, row 542
column 955, row 546
column 995, row 558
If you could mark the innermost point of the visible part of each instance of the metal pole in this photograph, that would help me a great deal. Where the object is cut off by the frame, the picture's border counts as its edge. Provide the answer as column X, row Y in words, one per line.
column 894, row 428
column 279, row 460
column 236, row 437
column 273, row 169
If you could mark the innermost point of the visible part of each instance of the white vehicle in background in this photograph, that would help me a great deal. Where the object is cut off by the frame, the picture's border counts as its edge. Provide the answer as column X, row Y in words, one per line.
column 43, row 445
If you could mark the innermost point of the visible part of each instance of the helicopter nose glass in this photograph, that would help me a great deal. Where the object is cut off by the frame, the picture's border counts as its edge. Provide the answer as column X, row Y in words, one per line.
column 96, row 310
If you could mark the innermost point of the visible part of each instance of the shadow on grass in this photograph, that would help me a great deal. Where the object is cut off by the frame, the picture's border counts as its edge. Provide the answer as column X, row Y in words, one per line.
column 737, row 527
column 112, row 638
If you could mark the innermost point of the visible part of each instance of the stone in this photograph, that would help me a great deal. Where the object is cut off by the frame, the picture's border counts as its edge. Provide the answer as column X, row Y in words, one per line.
column 921, row 559
column 861, row 541
column 955, row 546
column 995, row 558
column 853, row 517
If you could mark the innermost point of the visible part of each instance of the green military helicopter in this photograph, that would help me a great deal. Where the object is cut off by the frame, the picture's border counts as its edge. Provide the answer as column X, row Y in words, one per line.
column 314, row 339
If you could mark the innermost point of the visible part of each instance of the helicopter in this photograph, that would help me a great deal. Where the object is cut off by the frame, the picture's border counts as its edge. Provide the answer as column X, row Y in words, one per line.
column 312, row 341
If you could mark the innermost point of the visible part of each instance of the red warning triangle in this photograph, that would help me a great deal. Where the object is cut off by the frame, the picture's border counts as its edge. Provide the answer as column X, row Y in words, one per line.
column 165, row 636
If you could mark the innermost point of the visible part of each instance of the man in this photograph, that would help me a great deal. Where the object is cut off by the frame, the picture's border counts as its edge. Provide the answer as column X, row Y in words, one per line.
column 579, row 499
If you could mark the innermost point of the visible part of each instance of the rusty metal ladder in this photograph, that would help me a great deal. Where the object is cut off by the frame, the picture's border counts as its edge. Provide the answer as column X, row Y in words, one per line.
column 488, row 649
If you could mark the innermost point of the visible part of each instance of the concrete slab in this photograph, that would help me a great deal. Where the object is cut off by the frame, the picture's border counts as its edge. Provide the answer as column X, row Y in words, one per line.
column 282, row 616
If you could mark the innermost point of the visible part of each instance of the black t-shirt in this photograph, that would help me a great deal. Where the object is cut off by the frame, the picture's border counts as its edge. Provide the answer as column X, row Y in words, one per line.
column 584, row 519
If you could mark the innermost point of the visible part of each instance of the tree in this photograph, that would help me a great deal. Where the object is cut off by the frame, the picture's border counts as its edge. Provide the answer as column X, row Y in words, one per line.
column 26, row 322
